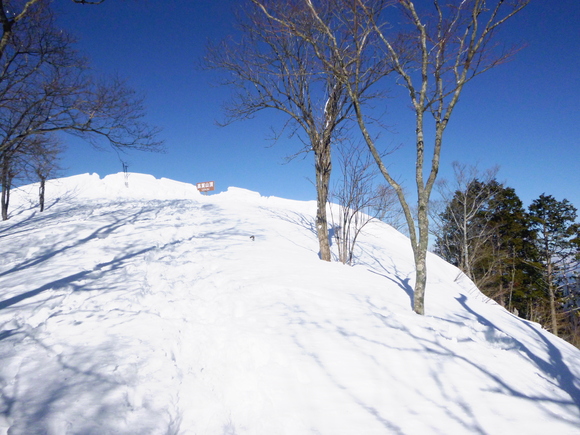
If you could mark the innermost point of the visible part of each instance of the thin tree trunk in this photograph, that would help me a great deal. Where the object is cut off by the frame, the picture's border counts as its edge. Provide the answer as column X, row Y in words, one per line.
column 5, row 199
column 323, row 168
column 500, row 291
column 41, row 193
column 465, row 247
column 5, row 189
column 553, row 311
column 512, row 280
column 552, row 295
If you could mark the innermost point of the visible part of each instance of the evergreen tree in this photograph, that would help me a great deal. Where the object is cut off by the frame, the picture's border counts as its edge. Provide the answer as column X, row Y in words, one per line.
column 485, row 231
column 528, row 262
column 558, row 244
column 513, row 247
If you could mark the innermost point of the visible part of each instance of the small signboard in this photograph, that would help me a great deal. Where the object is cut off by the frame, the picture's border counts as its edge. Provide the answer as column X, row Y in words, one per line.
column 206, row 186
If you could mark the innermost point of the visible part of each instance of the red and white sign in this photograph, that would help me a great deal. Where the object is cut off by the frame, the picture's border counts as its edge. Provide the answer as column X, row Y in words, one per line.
column 206, row 186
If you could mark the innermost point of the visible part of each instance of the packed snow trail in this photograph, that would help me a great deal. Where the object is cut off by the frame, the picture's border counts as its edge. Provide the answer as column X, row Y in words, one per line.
column 152, row 310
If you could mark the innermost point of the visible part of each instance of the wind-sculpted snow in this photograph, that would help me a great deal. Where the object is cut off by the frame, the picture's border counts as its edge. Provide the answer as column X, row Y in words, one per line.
column 149, row 309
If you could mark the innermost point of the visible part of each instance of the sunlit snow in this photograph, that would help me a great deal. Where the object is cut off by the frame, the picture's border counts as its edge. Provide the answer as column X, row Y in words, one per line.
column 149, row 309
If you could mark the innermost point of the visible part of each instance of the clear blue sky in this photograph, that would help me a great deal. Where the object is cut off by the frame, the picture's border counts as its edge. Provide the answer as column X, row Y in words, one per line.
column 523, row 116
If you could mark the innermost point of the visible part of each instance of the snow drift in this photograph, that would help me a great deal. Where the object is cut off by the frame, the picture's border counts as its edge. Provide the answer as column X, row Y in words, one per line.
column 149, row 309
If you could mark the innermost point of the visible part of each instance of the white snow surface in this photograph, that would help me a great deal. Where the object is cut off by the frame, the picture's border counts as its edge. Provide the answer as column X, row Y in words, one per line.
column 148, row 309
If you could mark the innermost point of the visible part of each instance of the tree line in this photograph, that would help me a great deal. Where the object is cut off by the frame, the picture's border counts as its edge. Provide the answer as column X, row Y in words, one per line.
column 526, row 259
column 47, row 87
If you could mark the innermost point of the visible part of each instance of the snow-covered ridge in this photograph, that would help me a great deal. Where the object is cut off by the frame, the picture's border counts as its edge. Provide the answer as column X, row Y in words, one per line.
column 121, row 185
column 150, row 309
column 128, row 186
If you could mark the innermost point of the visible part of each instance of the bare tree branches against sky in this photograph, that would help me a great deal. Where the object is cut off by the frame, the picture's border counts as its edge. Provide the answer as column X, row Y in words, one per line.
column 522, row 116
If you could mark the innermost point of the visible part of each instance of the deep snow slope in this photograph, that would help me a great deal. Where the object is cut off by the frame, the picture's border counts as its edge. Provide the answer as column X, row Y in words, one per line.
column 149, row 309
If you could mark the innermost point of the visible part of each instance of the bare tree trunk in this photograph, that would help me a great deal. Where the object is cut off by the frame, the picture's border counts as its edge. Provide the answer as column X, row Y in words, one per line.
column 5, row 199
column 420, row 281
column 501, row 297
column 323, row 168
column 465, row 248
column 553, row 311
column 6, row 181
column 41, row 190
column 552, row 295
column 512, row 281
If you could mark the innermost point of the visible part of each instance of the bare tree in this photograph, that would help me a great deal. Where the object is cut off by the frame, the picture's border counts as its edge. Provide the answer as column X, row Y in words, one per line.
column 13, row 12
column 293, row 79
column 45, row 86
column 359, row 199
column 34, row 159
column 11, row 167
column 271, row 68
column 444, row 50
column 434, row 55
column 42, row 159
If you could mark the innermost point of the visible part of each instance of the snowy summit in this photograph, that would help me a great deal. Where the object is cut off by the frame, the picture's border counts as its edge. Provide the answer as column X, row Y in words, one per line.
column 140, row 306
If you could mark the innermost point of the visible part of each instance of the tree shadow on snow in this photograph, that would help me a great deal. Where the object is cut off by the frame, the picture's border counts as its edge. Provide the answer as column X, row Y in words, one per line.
column 439, row 350
column 102, row 232
column 395, row 276
column 77, row 382
column 122, row 254
column 114, row 236
column 94, row 274
column 376, row 414
column 556, row 367
column 299, row 219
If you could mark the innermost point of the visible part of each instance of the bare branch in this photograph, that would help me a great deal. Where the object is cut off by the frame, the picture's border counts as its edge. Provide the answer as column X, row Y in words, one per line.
column 278, row 64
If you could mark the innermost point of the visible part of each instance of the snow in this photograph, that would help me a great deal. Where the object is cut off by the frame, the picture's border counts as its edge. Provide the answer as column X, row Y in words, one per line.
column 149, row 309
